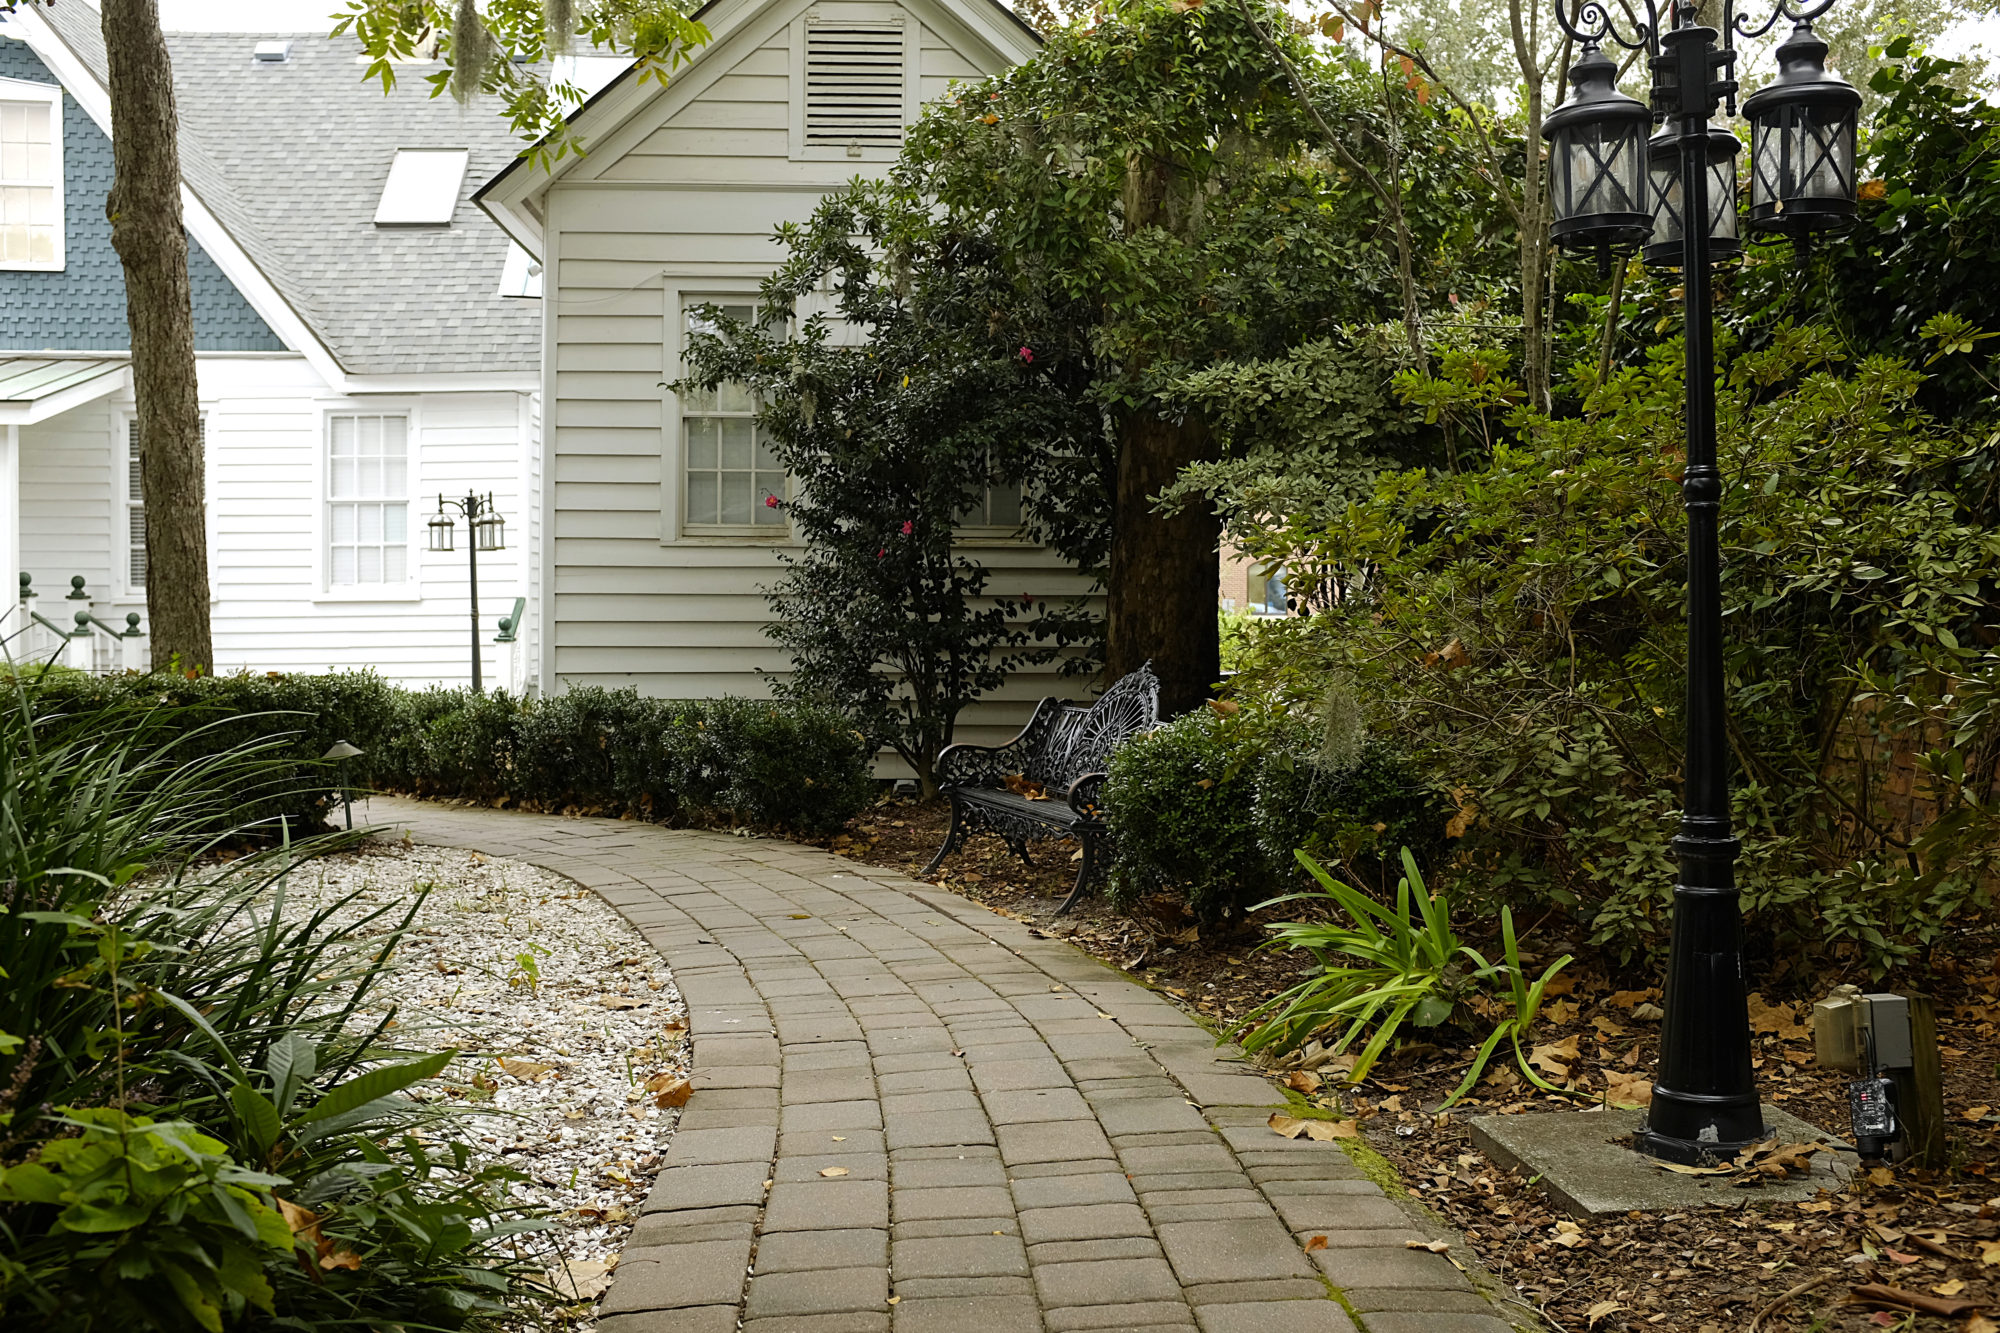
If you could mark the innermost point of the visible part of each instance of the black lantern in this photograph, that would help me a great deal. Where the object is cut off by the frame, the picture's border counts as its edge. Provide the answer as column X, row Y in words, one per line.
column 1802, row 142
column 440, row 527
column 489, row 530
column 1663, row 154
column 1597, row 161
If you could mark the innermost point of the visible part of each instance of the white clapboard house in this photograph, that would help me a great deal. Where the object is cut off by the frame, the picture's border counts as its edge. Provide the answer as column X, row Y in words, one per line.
column 656, row 543
column 367, row 339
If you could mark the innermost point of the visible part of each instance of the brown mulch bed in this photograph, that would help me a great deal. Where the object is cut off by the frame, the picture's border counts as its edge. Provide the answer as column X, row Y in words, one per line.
column 1932, row 1235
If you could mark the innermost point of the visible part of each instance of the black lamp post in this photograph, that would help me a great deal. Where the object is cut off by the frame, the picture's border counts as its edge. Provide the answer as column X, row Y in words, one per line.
column 486, row 531
column 1705, row 1101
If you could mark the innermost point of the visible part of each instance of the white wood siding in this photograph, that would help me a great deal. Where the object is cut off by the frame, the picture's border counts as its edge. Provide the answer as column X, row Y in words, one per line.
column 681, row 200
column 266, row 466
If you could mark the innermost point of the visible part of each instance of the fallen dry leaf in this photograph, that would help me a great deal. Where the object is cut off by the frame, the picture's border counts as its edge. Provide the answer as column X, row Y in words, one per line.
column 1554, row 1058
column 580, row 1279
column 332, row 1257
column 1323, row 1131
column 1600, row 1310
column 621, row 1002
column 1951, row 1288
column 1989, row 1253
column 525, row 1070
column 1304, row 1080
column 1781, row 1020
column 675, row 1093
column 1434, row 1246
column 1621, row 1089
column 833, row 1171
column 1315, row 1243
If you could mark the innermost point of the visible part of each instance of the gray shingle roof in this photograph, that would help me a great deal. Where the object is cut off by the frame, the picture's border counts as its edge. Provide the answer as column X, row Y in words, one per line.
column 291, row 159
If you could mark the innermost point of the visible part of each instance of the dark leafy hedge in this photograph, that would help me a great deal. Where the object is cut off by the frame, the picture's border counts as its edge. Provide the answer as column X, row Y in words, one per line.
column 1213, row 807
column 602, row 751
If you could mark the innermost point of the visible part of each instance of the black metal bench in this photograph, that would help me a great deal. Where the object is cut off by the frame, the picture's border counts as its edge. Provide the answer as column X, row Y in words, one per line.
column 1044, row 783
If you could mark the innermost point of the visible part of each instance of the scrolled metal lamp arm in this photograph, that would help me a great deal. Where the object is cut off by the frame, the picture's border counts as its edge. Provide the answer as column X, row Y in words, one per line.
column 1592, row 25
column 1739, row 25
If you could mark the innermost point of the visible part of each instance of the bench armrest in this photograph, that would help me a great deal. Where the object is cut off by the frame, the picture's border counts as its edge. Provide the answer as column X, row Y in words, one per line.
column 1084, row 796
column 987, row 765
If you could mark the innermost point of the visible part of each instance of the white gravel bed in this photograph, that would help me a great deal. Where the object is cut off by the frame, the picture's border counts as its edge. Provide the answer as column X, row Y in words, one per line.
column 573, row 1029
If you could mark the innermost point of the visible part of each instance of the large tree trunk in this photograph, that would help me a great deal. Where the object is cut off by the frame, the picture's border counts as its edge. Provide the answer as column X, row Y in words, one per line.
column 146, row 230
column 1161, row 596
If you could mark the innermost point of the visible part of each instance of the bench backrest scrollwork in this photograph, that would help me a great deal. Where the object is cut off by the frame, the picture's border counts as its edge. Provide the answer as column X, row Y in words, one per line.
column 1081, row 739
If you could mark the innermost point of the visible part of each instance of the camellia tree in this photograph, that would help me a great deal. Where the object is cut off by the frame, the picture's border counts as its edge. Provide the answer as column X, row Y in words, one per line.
column 891, row 444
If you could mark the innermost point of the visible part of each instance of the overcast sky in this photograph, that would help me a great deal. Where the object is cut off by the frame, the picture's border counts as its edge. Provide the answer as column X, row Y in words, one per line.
column 313, row 16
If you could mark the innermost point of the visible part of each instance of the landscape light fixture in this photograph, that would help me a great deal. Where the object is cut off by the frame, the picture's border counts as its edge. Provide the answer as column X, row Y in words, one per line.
column 1705, row 1104
column 340, row 752
column 485, row 531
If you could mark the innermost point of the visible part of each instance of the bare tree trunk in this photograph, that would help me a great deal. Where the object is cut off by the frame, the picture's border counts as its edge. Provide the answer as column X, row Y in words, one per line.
column 1533, row 223
column 147, row 232
column 1160, row 602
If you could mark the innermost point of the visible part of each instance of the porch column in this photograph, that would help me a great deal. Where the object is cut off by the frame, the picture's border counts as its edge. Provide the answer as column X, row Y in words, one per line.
column 11, row 617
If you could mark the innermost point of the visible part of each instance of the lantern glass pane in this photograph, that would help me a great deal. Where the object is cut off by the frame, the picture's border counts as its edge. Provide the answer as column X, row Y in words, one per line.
column 1722, row 199
column 1825, row 153
column 1767, row 153
column 1666, row 204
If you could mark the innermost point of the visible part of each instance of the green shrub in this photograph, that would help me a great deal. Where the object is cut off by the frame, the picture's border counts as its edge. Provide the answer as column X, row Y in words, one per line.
column 290, row 720
column 1354, row 813
column 798, row 765
column 768, row 763
column 1179, row 803
column 175, row 1050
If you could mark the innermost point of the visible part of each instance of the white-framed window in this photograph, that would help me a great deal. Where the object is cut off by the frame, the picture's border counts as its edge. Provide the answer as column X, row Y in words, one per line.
column 731, row 482
column 367, row 500
column 997, row 514
column 133, row 516
column 31, row 179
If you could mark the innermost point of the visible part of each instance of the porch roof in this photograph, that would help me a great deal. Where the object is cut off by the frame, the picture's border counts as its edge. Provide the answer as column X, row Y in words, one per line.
column 35, row 388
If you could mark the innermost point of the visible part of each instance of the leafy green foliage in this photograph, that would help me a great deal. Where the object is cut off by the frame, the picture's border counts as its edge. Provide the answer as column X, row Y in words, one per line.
column 1384, row 967
column 505, row 49
column 892, row 448
column 143, row 1209
column 183, row 1048
column 1178, row 800
column 1928, row 243
column 786, row 764
column 1521, row 637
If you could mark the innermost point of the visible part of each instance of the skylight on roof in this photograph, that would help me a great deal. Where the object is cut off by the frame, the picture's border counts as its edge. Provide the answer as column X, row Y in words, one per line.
column 422, row 189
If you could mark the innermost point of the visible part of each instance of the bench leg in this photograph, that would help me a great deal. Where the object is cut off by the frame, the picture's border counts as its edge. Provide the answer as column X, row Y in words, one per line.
column 954, row 837
column 1084, row 874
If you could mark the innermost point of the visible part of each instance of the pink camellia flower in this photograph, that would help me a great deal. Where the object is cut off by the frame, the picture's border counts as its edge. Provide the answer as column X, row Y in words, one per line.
column 770, row 502
column 908, row 527
column 1028, row 355
column 879, row 554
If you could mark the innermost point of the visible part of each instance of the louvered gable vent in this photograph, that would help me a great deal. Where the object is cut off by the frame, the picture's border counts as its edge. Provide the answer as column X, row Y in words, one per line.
column 854, row 84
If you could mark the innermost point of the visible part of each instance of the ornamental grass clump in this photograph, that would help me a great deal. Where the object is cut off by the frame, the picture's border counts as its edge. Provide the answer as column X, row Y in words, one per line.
column 1385, row 968
column 203, row 1119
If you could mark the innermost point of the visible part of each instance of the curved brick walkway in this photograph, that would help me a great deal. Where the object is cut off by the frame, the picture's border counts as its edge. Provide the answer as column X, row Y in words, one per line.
column 1032, row 1141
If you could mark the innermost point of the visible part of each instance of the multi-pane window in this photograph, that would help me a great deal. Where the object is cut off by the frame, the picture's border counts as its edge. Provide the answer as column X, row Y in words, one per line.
column 135, row 506
column 30, row 184
column 732, row 475
column 1001, row 508
column 368, row 500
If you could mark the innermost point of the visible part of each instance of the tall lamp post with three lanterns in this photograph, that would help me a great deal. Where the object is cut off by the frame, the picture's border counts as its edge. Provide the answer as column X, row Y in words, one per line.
column 1612, row 191
column 485, row 531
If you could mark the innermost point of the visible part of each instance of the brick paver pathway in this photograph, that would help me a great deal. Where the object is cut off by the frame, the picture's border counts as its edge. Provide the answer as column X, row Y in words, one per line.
column 1030, row 1140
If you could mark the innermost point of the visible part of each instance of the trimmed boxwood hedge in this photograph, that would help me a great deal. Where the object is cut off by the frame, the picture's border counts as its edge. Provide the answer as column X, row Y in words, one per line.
column 590, row 750
column 1213, row 811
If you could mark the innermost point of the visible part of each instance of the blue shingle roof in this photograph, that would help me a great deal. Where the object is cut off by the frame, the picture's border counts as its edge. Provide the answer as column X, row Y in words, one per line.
column 82, row 308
